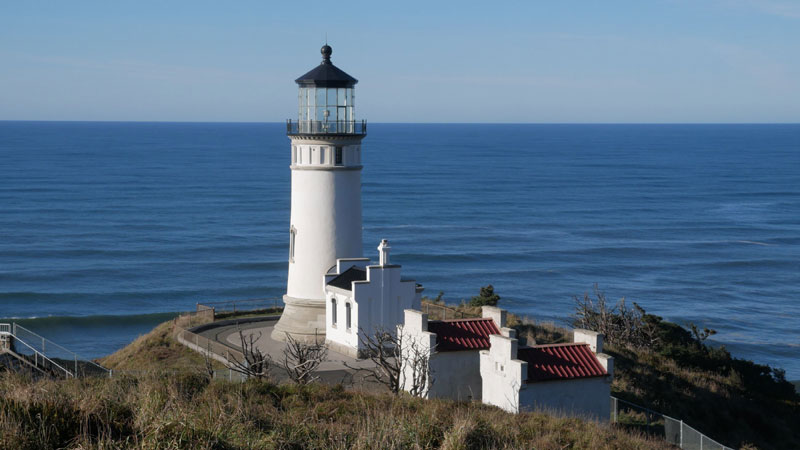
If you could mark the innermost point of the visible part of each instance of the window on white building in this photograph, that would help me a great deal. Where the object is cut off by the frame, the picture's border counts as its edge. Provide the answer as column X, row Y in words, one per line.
column 322, row 155
column 347, row 315
column 333, row 311
column 292, row 238
column 339, row 156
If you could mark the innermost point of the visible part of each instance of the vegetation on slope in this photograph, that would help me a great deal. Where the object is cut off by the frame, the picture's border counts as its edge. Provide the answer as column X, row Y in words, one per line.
column 188, row 411
column 161, row 397
column 157, row 350
column 671, row 369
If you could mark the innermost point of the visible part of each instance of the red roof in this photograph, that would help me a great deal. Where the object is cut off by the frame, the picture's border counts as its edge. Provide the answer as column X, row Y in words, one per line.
column 462, row 334
column 560, row 362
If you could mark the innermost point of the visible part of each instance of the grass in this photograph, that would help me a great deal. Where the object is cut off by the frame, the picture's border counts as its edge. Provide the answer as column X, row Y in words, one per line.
column 189, row 411
column 161, row 398
column 157, row 350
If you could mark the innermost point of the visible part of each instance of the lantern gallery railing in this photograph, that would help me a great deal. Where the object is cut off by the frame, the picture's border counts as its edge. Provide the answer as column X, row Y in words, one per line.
column 325, row 127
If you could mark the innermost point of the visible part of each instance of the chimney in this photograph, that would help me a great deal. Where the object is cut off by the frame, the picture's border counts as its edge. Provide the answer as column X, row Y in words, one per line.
column 383, row 250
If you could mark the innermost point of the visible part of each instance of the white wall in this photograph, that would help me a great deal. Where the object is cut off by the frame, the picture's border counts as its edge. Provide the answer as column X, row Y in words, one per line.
column 346, row 338
column 383, row 298
column 417, row 341
column 505, row 385
column 502, row 375
column 326, row 217
column 456, row 375
column 584, row 397
column 377, row 303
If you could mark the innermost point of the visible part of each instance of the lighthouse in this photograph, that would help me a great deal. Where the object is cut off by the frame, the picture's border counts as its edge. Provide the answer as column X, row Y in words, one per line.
column 325, row 223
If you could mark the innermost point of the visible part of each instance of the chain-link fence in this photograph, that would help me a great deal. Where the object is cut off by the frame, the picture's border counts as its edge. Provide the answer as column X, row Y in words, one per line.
column 674, row 431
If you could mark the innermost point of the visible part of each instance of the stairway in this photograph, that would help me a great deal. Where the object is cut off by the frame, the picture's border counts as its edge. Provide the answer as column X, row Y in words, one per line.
column 25, row 351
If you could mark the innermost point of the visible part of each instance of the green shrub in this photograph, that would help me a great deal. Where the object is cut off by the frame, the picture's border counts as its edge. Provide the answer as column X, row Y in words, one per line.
column 487, row 297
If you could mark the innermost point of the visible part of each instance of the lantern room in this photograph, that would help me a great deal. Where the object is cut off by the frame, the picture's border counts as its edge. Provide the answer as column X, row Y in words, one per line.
column 326, row 101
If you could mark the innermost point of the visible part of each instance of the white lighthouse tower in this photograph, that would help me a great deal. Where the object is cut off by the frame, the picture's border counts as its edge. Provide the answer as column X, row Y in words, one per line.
column 326, row 194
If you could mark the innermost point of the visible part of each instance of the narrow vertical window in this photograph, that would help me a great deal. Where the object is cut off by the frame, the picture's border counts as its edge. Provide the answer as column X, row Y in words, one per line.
column 300, row 156
column 322, row 155
column 347, row 315
column 292, row 238
column 338, row 156
column 333, row 311
column 294, row 154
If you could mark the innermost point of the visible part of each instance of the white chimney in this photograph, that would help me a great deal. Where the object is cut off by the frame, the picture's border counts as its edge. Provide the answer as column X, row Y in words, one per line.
column 383, row 250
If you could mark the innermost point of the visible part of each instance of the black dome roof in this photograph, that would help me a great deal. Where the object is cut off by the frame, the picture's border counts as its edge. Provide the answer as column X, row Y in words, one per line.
column 326, row 74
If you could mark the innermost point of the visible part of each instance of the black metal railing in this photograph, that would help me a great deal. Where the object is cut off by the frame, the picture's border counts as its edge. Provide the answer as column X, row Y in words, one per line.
column 326, row 127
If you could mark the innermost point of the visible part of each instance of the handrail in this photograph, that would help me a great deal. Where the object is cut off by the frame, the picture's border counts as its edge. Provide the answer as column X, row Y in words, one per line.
column 248, row 300
column 5, row 328
column 427, row 306
column 48, row 343
column 347, row 127
column 38, row 354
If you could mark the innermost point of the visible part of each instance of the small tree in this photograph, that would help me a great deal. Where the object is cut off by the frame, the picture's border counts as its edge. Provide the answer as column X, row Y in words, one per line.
column 620, row 324
column 208, row 365
column 399, row 362
column 415, row 369
column 301, row 360
column 255, row 364
column 437, row 299
column 487, row 297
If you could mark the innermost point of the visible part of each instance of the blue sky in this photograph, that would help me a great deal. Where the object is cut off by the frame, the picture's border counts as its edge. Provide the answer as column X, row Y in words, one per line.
column 527, row 61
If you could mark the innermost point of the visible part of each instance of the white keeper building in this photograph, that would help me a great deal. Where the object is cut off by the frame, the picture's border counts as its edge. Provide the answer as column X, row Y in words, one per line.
column 361, row 298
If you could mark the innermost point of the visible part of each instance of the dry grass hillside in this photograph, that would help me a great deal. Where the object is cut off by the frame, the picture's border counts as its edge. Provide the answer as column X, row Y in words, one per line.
column 189, row 411
column 161, row 398
column 157, row 350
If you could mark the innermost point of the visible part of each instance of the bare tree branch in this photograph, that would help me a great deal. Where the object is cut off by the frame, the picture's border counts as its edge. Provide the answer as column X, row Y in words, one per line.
column 301, row 360
column 399, row 363
column 255, row 363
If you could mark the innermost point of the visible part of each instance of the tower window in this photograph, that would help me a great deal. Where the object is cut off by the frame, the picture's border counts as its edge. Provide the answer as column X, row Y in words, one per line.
column 322, row 155
column 333, row 311
column 294, row 154
column 347, row 314
column 339, row 156
column 292, row 238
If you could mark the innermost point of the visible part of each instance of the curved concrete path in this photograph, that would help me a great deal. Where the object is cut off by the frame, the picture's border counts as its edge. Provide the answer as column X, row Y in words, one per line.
column 332, row 371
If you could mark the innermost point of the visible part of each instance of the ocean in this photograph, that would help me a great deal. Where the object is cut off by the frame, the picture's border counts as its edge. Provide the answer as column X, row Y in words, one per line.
column 107, row 229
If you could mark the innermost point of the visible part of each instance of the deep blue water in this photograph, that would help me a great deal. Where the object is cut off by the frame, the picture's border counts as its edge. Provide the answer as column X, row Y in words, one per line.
column 105, row 227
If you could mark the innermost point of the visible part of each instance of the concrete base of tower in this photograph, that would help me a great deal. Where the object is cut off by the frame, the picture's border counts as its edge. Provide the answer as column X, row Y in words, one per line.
column 303, row 319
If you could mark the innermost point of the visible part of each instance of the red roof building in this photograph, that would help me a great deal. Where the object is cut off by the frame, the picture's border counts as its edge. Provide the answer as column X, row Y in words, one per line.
column 455, row 349
column 560, row 362
column 462, row 334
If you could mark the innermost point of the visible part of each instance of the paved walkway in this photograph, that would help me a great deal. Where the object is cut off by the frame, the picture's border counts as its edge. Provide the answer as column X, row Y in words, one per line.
column 332, row 371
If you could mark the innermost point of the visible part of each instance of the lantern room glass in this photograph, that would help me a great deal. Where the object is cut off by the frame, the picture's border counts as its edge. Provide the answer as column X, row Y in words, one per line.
column 326, row 104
